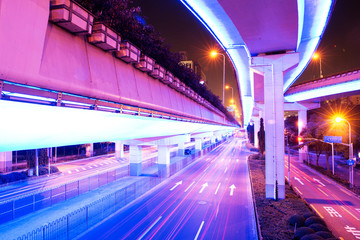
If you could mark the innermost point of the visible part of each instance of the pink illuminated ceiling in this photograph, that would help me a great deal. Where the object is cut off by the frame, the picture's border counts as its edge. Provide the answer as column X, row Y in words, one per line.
column 265, row 26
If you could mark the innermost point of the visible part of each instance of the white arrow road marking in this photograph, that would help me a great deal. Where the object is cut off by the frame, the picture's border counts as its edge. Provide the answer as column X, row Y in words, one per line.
column 189, row 187
column 232, row 187
column 317, row 180
column 203, row 187
column 217, row 188
column 176, row 184
column 198, row 232
column 297, row 179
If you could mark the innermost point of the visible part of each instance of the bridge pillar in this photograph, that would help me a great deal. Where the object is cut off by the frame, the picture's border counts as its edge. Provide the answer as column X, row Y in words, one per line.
column 213, row 139
column 273, row 68
column 302, row 121
column 5, row 161
column 181, row 149
column 163, row 155
column 119, row 150
column 90, row 150
column 198, row 144
column 135, row 160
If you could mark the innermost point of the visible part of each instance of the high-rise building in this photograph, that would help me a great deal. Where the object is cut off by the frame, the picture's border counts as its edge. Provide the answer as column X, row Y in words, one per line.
column 193, row 65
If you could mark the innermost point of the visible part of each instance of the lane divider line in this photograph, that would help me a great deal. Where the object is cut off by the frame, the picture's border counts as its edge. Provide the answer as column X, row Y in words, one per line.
column 198, row 232
column 147, row 230
column 312, row 206
column 217, row 188
column 189, row 187
column 349, row 213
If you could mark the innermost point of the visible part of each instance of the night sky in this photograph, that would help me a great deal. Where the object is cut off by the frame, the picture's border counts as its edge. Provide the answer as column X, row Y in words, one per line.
column 339, row 48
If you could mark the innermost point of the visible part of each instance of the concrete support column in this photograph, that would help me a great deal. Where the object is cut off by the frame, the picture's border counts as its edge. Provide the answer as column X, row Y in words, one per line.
column 302, row 121
column 90, row 150
column 164, row 155
column 273, row 67
column 256, row 130
column 181, row 149
column 119, row 150
column 135, row 160
column 198, row 144
column 5, row 161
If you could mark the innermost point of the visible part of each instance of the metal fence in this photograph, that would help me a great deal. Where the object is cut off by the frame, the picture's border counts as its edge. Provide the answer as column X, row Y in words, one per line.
column 75, row 223
column 26, row 204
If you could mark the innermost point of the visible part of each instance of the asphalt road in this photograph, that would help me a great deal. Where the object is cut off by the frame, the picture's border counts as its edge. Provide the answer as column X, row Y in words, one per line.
column 210, row 199
column 338, row 207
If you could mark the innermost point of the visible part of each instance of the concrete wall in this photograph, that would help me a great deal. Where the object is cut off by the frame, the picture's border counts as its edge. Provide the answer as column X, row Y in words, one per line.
column 38, row 53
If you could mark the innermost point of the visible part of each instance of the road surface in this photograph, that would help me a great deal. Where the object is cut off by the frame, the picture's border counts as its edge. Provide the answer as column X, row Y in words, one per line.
column 339, row 207
column 210, row 199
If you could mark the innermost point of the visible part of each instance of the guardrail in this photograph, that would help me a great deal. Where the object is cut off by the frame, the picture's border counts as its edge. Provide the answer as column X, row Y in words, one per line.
column 23, row 205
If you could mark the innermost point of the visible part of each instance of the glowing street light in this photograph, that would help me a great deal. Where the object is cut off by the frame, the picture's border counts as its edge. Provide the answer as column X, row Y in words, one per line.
column 315, row 57
column 340, row 119
column 213, row 54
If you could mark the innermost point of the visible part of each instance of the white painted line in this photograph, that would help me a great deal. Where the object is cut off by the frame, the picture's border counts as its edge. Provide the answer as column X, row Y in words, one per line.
column 189, row 187
column 176, row 184
column 90, row 166
column 232, row 187
column 198, row 232
column 237, row 160
column 217, row 188
column 317, row 180
column 69, row 172
column 203, row 187
column 106, row 163
column 206, row 168
column 225, row 170
column 147, row 230
column 77, row 170
column 101, row 164
column 95, row 165
column 83, row 168
column 297, row 179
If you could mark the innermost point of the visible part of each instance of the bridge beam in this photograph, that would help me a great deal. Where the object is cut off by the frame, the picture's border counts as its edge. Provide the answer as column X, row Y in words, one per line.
column 273, row 67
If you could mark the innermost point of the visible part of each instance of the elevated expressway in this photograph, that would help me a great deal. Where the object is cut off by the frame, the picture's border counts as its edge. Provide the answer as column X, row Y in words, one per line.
column 269, row 43
column 65, row 80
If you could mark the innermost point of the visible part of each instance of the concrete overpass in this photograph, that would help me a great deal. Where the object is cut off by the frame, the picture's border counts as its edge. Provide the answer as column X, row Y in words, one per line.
column 66, row 80
column 270, row 43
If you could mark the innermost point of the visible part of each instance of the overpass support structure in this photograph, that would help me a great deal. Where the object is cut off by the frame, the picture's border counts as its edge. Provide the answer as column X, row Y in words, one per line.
column 272, row 67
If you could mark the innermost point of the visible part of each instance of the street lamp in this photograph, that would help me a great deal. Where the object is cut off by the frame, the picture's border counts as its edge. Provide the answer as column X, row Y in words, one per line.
column 232, row 98
column 213, row 54
column 315, row 57
column 339, row 119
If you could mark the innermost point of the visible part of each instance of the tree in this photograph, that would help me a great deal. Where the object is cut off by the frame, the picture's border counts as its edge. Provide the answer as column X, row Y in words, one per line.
column 291, row 129
column 261, row 137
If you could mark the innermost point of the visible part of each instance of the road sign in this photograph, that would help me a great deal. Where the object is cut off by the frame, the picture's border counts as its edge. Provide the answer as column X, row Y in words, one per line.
column 350, row 162
column 333, row 139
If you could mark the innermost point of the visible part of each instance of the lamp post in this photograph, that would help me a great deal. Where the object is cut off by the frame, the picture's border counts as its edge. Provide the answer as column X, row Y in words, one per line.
column 214, row 54
column 232, row 98
column 317, row 56
column 351, row 172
